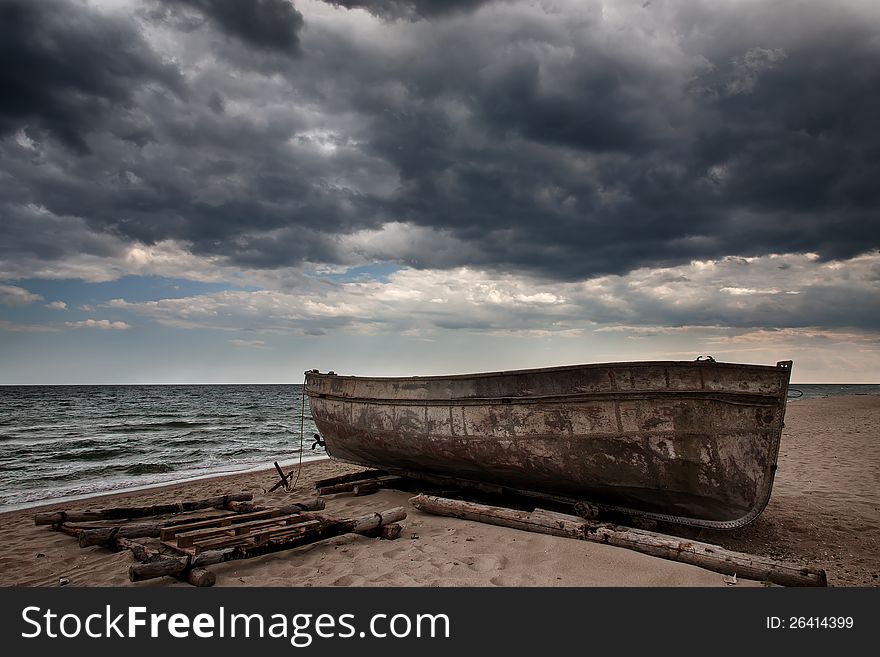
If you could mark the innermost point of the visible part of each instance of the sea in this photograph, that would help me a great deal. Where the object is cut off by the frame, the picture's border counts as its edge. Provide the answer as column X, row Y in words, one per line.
column 68, row 442
column 62, row 442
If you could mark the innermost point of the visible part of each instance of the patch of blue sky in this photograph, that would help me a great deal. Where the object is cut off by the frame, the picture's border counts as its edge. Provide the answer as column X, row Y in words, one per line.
column 379, row 271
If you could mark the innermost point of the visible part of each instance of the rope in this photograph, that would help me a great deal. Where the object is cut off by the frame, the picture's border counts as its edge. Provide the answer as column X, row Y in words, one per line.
column 302, row 419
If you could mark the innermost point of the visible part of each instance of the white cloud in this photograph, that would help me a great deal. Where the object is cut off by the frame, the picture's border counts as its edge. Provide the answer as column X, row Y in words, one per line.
column 401, row 242
column 104, row 324
column 12, row 295
column 249, row 344
column 727, row 292
column 56, row 305
column 15, row 327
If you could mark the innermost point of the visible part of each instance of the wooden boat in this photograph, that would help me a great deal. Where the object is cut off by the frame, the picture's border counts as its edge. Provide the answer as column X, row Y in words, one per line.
column 688, row 442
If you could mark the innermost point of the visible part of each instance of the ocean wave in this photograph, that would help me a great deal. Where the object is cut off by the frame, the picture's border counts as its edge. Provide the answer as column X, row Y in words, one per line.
column 130, row 427
column 95, row 454
column 148, row 468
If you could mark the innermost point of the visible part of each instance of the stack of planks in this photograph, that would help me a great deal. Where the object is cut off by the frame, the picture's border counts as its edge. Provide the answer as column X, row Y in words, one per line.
column 228, row 545
column 239, row 530
column 188, row 544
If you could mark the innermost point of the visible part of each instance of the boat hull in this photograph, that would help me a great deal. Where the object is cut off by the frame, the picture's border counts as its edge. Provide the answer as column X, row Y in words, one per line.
column 688, row 442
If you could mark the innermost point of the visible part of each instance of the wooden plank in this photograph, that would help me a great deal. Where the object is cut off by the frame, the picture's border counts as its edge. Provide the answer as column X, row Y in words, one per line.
column 168, row 533
column 186, row 539
column 253, row 538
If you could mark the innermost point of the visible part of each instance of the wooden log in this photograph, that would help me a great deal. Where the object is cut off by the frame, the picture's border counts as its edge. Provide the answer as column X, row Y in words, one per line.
column 347, row 487
column 195, row 576
column 201, row 577
column 106, row 535
column 116, row 513
column 586, row 510
column 64, row 528
column 242, row 507
column 315, row 504
column 362, row 524
column 391, row 532
column 704, row 555
column 354, row 476
column 108, row 524
column 368, row 488
column 139, row 551
column 177, row 566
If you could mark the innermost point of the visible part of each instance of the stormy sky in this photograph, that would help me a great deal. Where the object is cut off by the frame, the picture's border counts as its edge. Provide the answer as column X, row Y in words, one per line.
column 236, row 191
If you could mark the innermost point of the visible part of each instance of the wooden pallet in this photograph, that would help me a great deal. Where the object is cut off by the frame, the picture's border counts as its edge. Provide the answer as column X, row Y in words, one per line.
column 239, row 530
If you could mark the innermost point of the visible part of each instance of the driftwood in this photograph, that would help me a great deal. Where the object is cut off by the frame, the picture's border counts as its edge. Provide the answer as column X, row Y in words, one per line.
column 370, row 487
column 315, row 504
column 586, row 510
column 360, row 487
column 391, row 532
column 347, row 478
column 243, row 507
column 704, row 555
column 139, row 551
column 201, row 577
column 178, row 566
column 144, row 554
column 119, row 513
column 105, row 535
column 89, row 536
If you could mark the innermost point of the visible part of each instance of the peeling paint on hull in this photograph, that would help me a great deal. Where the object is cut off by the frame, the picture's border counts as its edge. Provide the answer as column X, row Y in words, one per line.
column 689, row 442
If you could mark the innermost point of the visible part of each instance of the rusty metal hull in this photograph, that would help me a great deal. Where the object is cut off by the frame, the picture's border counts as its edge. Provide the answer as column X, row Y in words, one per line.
column 689, row 442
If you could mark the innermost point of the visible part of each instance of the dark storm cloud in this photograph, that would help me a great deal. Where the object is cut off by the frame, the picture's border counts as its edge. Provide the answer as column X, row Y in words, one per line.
column 263, row 24
column 410, row 9
column 65, row 70
column 560, row 142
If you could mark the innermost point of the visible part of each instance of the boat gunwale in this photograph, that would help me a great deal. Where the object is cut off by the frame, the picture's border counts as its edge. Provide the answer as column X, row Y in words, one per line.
column 557, row 368
column 733, row 397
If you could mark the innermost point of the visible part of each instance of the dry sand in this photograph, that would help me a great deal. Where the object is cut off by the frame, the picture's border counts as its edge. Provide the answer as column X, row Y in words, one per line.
column 825, row 511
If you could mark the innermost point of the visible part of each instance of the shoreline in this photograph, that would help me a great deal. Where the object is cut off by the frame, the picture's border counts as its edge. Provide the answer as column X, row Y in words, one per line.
column 824, row 512
column 38, row 505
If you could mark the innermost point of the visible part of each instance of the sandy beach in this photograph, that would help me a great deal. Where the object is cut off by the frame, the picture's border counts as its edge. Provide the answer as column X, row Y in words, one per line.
column 824, row 512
